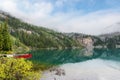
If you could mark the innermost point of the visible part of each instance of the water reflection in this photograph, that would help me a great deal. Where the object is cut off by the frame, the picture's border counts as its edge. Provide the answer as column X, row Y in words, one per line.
column 71, row 56
column 112, row 54
column 59, row 56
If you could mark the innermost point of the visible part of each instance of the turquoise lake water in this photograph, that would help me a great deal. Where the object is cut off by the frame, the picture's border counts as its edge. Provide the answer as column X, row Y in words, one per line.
column 56, row 57
column 98, row 64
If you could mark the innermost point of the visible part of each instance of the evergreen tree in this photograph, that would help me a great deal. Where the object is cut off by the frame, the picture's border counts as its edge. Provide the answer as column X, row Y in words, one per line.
column 7, row 46
column 5, row 41
column 1, row 38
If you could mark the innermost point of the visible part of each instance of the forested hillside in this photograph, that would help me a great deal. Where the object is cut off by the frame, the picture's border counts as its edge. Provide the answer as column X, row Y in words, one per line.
column 8, row 43
column 36, row 36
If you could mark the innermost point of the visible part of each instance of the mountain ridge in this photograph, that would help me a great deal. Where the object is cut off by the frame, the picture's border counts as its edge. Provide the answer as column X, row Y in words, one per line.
column 112, row 28
column 37, row 37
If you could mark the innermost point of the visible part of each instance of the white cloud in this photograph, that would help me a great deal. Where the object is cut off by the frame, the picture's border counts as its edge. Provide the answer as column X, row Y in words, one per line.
column 40, row 13
column 28, row 9
column 92, row 23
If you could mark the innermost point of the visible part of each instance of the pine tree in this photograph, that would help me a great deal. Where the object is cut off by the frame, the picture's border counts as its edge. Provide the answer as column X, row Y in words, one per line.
column 1, row 38
column 5, row 41
column 7, row 45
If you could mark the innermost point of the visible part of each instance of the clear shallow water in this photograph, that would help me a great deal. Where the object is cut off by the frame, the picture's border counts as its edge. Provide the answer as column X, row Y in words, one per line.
column 99, row 64
column 96, row 69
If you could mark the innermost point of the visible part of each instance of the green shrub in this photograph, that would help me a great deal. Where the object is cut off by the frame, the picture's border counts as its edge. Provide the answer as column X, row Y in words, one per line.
column 17, row 69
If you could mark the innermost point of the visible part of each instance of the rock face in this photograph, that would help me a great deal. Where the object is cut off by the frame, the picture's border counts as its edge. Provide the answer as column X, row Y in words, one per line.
column 88, row 43
column 85, row 40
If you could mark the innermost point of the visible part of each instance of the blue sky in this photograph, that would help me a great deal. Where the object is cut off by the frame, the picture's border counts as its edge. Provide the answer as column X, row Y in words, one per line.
column 82, row 16
column 77, row 5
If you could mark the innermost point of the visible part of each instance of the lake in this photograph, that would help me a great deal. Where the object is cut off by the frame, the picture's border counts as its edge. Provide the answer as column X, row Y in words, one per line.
column 98, row 64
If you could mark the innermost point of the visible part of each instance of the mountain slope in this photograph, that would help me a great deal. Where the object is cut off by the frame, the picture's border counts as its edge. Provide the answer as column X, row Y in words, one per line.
column 37, row 37
column 18, row 47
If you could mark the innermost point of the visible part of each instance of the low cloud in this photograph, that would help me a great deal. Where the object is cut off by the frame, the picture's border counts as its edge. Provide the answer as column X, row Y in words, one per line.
column 42, row 13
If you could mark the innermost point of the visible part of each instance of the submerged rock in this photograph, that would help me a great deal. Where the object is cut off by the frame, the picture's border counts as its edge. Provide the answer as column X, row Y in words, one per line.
column 95, row 69
column 57, row 71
